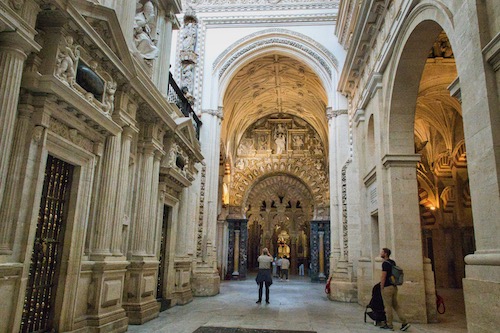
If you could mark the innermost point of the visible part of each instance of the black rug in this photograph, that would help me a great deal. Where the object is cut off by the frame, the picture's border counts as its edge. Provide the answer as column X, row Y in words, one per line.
column 210, row 329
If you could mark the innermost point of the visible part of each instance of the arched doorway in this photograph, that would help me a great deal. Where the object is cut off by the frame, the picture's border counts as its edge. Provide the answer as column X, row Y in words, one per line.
column 445, row 202
column 279, row 208
column 275, row 141
column 426, row 130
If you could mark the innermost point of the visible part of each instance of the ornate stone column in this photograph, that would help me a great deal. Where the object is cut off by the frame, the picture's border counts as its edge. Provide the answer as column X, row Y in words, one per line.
column 182, row 238
column 321, row 273
column 107, row 273
column 10, row 206
column 103, row 225
column 162, row 66
column 123, row 186
column 236, row 259
column 206, row 280
column 141, row 280
column 140, row 227
column 338, row 124
column 12, row 59
column 155, row 181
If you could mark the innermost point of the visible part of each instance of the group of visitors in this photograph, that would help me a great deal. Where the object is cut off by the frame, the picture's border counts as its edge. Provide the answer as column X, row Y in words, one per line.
column 280, row 267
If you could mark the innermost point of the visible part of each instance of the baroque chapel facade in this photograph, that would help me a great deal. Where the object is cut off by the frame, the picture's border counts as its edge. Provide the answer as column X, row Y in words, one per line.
column 152, row 148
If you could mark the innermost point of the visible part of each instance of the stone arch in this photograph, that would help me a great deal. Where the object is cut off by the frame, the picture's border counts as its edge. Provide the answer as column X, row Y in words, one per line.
column 404, row 77
column 314, row 179
column 280, row 41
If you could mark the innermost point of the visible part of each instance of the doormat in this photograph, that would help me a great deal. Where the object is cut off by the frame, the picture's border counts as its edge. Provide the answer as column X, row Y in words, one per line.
column 210, row 329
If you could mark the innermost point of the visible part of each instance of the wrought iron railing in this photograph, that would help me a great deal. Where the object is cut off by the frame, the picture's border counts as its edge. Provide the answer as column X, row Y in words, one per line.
column 175, row 95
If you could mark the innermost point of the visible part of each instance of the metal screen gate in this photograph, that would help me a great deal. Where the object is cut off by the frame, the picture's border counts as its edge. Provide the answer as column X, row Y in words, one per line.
column 161, row 267
column 39, row 301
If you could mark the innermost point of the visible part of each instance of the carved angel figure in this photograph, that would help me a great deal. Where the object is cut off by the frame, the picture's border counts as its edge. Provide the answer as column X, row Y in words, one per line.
column 144, row 28
column 66, row 60
column 110, row 97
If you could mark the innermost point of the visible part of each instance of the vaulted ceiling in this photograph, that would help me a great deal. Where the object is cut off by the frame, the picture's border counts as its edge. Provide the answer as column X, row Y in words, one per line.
column 269, row 85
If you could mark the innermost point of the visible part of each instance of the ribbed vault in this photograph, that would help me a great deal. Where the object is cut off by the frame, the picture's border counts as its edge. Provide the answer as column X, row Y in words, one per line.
column 272, row 84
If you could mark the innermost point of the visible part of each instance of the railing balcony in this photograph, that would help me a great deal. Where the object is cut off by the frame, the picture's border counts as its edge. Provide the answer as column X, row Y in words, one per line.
column 175, row 95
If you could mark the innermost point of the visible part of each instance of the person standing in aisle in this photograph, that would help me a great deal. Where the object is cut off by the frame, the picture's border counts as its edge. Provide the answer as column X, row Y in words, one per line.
column 264, row 276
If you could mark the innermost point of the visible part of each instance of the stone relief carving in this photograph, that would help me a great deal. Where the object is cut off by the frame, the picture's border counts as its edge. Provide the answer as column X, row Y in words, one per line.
column 178, row 160
column 16, row 4
column 304, row 157
column 67, row 60
column 145, row 30
column 71, row 134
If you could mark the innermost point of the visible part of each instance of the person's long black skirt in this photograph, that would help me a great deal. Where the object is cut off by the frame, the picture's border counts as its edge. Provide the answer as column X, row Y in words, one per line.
column 264, row 275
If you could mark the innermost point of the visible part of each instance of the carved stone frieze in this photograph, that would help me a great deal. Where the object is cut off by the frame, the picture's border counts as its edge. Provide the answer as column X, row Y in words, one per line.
column 288, row 146
column 71, row 134
column 244, row 5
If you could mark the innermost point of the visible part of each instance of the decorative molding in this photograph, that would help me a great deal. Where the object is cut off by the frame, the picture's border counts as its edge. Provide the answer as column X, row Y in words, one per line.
column 218, row 113
column 259, row 5
column 359, row 116
column 492, row 52
column 276, row 41
column 345, row 225
column 400, row 160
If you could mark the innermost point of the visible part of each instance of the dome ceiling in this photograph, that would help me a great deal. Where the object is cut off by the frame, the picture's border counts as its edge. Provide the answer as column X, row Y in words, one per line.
column 269, row 85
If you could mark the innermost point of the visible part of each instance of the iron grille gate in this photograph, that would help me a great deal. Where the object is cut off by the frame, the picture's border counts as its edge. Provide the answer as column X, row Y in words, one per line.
column 47, row 249
column 161, row 267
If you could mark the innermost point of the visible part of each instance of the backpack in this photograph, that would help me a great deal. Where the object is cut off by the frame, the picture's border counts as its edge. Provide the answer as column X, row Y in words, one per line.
column 397, row 277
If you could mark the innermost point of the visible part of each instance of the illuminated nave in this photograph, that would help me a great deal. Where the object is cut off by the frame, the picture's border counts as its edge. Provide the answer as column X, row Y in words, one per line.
column 151, row 149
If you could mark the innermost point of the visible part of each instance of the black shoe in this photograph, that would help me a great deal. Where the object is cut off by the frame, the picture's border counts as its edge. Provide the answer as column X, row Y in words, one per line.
column 404, row 327
column 267, row 302
column 387, row 327
column 259, row 301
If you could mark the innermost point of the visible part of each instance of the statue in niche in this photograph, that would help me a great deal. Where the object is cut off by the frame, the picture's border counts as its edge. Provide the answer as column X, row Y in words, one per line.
column 189, row 37
column 280, row 143
column 298, row 143
column 144, row 30
column 280, row 139
column 246, row 146
column 66, row 60
column 240, row 165
column 263, row 142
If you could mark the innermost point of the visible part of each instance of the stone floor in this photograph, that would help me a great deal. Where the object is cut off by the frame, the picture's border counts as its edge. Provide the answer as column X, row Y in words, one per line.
column 297, row 305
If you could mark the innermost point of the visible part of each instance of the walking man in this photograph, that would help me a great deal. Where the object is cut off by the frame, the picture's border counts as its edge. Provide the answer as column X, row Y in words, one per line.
column 390, row 292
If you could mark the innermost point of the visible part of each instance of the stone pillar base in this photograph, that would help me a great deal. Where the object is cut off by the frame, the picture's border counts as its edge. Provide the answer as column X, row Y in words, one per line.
column 480, row 298
column 365, row 280
column 116, row 322
column 343, row 291
column 205, row 283
column 138, row 314
column 140, row 292
column 181, row 297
